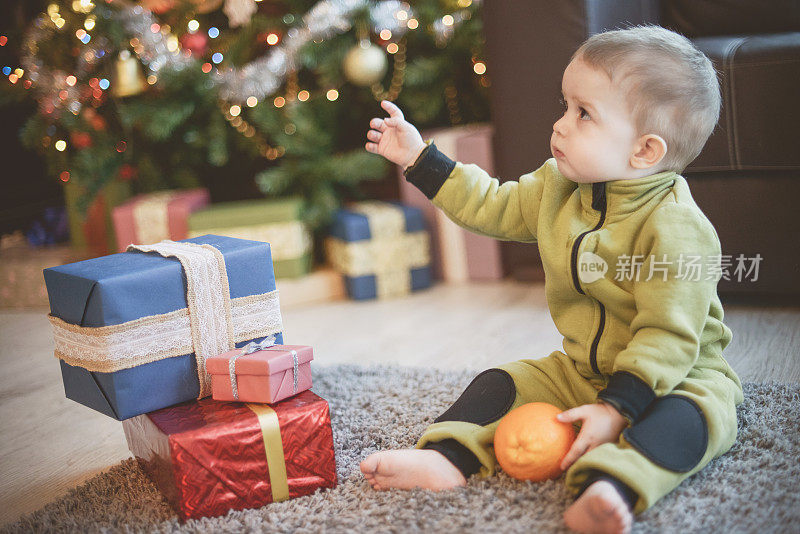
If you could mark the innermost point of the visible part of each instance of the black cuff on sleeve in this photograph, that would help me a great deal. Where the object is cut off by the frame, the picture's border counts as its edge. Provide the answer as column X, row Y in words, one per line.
column 457, row 454
column 430, row 170
column 628, row 495
column 629, row 394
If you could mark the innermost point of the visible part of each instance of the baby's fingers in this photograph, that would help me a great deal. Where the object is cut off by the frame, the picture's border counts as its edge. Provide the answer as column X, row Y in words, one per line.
column 372, row 135
column 578, row 449
column 391, row 109
column 377, row 124
column 570, row 416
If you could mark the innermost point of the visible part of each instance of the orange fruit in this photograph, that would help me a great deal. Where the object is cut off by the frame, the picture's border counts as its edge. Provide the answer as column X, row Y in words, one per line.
column 530, row 442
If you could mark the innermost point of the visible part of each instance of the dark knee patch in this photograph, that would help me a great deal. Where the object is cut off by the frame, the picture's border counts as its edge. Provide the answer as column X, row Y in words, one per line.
column 672, row 434
column 487, row 398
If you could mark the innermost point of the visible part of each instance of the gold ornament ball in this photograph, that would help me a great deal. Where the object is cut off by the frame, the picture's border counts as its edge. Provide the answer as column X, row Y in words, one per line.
column 365, row 64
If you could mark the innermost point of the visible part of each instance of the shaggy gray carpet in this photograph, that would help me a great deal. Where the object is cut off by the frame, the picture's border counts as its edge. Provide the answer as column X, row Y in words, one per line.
column 753, row 488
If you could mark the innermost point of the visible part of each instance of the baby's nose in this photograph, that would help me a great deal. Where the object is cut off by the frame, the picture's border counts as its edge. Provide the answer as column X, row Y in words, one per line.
column 558, row 126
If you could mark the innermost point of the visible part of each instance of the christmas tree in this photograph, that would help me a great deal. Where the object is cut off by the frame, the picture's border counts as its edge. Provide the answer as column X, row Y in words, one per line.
column 273, row 97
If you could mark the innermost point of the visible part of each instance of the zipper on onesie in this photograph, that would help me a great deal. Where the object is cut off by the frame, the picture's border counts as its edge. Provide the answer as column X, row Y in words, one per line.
column 598, row 203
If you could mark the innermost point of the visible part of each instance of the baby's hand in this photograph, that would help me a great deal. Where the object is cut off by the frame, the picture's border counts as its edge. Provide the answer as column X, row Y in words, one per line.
column 602, row 423
column 394, row 138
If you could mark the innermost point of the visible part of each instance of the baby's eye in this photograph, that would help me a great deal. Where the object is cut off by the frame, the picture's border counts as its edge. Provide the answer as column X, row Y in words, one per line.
column 584, row 115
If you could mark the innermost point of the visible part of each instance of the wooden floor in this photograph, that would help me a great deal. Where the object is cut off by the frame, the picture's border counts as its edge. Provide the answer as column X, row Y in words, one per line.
column 49, row 444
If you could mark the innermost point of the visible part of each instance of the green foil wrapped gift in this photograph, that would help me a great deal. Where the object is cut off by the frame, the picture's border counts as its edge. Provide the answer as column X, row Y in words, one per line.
column 276, row 222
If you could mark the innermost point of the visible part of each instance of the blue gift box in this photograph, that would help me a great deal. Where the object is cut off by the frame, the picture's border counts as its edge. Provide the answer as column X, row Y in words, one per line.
column 115, row 289
column 351, row 226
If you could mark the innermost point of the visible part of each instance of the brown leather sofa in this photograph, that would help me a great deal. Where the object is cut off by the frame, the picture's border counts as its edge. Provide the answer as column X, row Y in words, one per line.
column 747, row 179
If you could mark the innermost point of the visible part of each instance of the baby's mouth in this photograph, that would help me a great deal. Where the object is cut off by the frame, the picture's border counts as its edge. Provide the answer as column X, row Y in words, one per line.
column 557, row 153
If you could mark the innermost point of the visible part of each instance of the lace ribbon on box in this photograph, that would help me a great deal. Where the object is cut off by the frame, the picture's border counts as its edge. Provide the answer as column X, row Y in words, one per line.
column 211, row 324
column 287, row 240
column 151, row 217
column 390, row 254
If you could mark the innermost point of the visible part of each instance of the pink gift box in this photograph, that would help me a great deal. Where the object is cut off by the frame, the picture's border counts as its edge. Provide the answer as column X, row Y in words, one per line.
column 266, row 376
column 178, row 205
column 458, row 255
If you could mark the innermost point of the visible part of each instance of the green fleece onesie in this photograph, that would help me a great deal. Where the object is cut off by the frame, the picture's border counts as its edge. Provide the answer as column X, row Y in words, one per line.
column 631, row 270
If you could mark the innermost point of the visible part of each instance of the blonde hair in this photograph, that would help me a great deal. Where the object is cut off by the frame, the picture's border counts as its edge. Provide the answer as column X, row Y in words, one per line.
column 671, row 86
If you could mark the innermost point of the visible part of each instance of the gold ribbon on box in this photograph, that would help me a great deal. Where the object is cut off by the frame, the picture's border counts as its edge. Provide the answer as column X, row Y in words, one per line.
column 390, row 254
column 151, row 217
column 211, row 323
column 273, row 446
column 287, row 240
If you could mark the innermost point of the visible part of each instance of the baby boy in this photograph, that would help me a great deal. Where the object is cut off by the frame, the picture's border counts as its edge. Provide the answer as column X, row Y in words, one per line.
column 631, row 269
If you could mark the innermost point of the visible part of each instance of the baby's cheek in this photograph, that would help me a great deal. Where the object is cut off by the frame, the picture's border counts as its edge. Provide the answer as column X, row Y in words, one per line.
column 587, row 160
column 607, row 158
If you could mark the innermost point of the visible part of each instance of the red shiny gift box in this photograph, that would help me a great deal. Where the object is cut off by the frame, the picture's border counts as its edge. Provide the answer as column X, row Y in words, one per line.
column 208, row 457
column 259, row 374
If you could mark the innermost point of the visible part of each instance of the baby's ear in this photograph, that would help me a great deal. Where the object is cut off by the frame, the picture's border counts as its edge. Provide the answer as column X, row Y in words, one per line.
column 648, row 152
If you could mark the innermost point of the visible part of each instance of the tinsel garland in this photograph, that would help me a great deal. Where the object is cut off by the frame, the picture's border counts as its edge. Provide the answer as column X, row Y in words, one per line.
column 259, row 78
column 264, row 76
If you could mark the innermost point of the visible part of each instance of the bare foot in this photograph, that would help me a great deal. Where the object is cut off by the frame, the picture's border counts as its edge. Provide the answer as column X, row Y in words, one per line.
column 601, row 509
column 411, row 468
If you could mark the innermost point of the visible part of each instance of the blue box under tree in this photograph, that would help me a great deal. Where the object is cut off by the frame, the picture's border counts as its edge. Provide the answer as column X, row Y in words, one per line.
column 115, row 289
column 353, row 227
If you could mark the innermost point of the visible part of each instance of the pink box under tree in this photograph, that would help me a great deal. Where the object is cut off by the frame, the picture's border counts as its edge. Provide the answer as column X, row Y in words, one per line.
column 153, row 217
column 458, row 255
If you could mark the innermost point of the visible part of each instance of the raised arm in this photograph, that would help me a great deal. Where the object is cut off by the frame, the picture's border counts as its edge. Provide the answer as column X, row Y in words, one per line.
column 475, row 200
column 466, row 193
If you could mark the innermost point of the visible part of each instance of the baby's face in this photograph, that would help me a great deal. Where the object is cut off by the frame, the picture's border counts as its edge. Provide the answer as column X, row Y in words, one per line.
column 594, row 140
